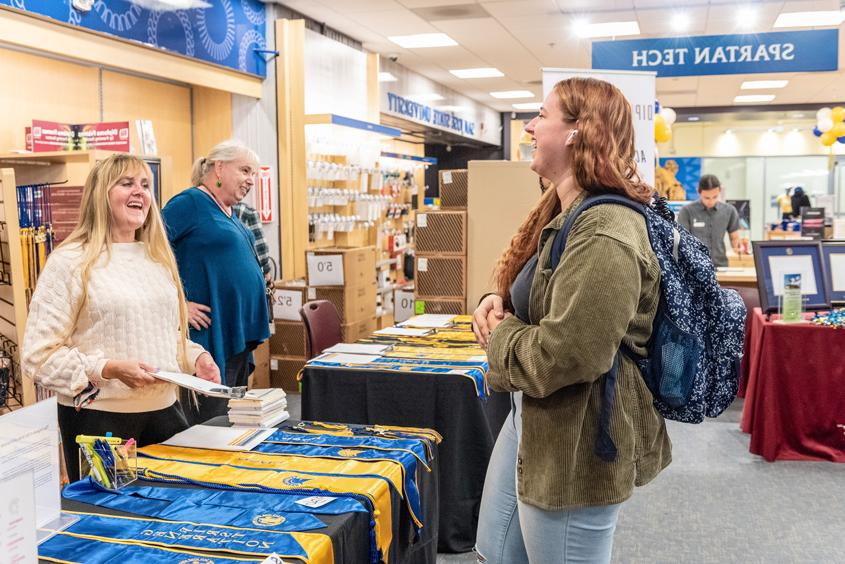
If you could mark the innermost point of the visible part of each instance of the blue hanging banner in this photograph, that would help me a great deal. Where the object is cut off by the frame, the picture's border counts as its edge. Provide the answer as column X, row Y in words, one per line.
column 787, row 51
column 226, row 33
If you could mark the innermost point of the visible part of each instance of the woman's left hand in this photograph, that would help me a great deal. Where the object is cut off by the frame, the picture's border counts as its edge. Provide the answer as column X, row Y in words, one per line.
column 206, row 368
column 494, row 320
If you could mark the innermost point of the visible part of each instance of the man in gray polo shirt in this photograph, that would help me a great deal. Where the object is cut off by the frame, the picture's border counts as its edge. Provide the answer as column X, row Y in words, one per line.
column 709, row 219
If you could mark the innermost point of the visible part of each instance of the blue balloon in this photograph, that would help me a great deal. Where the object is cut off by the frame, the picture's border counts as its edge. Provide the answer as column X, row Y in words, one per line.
column 841, row 139
column 656, row 107
column 817, row 132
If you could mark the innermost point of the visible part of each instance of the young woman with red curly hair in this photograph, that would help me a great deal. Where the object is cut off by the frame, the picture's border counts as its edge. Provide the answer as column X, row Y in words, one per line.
column 552, row 335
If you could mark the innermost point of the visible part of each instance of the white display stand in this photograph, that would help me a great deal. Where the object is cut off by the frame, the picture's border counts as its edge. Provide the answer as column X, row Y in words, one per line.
column 29, row 445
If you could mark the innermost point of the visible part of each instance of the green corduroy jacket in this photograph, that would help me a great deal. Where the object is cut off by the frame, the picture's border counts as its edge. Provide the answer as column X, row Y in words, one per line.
column 604, row 291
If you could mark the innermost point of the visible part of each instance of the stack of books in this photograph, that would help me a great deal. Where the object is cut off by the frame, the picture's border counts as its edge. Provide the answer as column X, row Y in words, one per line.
column 259, row 408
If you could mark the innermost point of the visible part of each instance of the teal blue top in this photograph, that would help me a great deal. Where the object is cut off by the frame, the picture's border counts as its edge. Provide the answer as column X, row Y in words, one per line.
column 219, row 268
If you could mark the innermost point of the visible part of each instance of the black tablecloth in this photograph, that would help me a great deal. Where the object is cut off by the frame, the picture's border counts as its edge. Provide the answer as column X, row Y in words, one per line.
column 445, row 402
column 350, row 532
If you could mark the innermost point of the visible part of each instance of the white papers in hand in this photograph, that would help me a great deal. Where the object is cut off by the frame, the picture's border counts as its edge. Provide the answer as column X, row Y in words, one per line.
column 219, row 438
column 355, row 348
column 198, row 384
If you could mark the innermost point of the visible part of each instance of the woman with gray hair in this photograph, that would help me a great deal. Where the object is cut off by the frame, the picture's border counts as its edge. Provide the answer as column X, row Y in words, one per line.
column 223, row 280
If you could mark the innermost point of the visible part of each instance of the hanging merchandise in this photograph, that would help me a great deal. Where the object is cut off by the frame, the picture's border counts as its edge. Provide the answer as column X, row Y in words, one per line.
column 36, row 231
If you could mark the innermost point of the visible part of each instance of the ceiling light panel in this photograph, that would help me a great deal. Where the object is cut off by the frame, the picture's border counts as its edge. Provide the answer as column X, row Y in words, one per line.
column 386, row 77
column 528, row 106
column 510, row 94
column 763, row 84
column 423, row 40
column 827, row 18
column 486, row 72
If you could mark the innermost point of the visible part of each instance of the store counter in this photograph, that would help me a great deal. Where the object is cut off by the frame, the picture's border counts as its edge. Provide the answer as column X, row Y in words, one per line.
column 449, row 402
column 794, row 393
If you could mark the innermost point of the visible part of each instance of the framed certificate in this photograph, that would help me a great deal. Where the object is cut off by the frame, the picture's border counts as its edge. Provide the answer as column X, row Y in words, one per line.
column 776, row 259
column 834, row 266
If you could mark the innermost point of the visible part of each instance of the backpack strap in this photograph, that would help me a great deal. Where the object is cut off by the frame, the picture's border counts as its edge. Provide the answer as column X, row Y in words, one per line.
column 604, row 447
column 559, row 244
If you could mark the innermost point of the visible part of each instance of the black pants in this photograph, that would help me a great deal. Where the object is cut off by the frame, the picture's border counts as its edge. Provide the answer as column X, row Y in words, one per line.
column 147, row 428
column 205, row 408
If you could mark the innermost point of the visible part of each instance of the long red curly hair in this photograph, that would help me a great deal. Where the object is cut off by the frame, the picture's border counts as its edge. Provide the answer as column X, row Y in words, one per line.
column 602, row 161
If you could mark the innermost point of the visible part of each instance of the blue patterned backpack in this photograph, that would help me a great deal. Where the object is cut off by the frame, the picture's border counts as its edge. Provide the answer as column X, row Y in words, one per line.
column 692, row 367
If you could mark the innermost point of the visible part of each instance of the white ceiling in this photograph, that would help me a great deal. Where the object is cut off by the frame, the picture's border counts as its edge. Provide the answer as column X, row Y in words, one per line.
column 519, row 37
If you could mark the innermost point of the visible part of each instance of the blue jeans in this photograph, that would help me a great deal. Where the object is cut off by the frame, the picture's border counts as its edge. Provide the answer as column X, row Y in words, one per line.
column 512, row 532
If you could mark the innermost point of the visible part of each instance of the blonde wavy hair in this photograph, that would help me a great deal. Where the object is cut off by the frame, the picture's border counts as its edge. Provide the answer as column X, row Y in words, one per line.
column 602, row 161
column 93, row 232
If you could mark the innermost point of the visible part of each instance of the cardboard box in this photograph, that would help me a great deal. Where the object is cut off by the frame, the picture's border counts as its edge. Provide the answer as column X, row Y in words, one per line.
column 385, row 320
column 355, row 331
column 284, row 371
column 341, row 267
column 260, row 377
column 290, row 339
column 440, row 277
column 288, row 298
column 353, row 303
column 441, row 233
column 453, row 188
column 440, row 306
column 359, row 237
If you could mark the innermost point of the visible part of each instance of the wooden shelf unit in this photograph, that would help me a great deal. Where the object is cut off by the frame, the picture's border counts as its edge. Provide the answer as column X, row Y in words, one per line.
column 18, row 169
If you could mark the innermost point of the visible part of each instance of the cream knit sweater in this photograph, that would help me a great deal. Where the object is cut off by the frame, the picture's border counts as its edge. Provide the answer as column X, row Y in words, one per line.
column 131, row 313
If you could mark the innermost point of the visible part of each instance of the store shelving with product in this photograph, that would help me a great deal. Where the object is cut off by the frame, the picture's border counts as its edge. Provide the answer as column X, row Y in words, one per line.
column 41, row 194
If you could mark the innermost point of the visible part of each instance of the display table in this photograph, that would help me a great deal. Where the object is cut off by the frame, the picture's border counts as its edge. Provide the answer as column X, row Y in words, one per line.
column 448, row 403
column 737, row 276
column 794, row 390
column 350, row 532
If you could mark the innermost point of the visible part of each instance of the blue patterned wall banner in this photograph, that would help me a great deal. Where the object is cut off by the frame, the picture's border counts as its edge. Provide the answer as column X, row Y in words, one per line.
column 227, row 33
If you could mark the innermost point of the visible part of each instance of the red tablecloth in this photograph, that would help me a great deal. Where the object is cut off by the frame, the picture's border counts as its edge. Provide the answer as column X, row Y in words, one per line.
column 795, row 393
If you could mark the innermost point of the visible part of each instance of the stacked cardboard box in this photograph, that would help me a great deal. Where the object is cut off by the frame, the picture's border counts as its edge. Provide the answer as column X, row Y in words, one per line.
column 346, row 278
column 440, row 264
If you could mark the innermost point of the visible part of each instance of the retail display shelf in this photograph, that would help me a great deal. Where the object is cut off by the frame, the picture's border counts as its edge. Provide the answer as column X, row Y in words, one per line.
column 334, row 119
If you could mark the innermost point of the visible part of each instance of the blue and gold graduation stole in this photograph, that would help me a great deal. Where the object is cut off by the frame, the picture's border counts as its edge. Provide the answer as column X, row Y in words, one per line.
column 257, row 472
column 275, row 512
column 67, row 549
column 428, row 436
column 196, row 536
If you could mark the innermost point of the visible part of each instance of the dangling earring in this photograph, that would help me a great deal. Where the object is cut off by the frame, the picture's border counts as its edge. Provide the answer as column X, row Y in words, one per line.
column 218, row 183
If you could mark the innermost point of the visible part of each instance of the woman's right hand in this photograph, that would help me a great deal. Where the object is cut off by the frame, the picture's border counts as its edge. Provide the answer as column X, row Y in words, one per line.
column 133, row 373
column 480, row 327
column 197, row 316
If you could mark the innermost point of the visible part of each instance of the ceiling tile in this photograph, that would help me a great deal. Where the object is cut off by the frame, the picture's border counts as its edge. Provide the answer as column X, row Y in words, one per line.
column 659, row 21
column 354, row 6
column 512, row 8
column 393, row 22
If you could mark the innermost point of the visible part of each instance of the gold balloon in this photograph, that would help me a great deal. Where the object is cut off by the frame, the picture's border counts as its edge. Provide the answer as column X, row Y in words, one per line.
column 838, row 129
column 837, row 114
column 662, row 134
column 828, row 138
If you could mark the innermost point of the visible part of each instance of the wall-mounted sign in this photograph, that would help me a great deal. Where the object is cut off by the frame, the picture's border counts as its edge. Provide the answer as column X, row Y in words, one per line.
column 788, row 51
column 444, row 109
column 422, row 113
column 52, row 136
column 226, row 33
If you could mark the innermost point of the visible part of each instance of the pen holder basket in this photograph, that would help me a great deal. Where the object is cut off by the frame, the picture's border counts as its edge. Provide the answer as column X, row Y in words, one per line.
column 109, row 461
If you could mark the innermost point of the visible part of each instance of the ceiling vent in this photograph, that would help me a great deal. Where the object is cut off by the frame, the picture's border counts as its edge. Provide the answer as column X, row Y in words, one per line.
column 453, row 12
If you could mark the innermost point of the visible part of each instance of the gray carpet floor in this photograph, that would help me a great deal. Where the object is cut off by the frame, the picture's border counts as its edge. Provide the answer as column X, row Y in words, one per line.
column 718, row 503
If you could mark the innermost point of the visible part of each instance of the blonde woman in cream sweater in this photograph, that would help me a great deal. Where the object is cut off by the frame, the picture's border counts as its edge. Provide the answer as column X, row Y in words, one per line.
column 108, row 310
